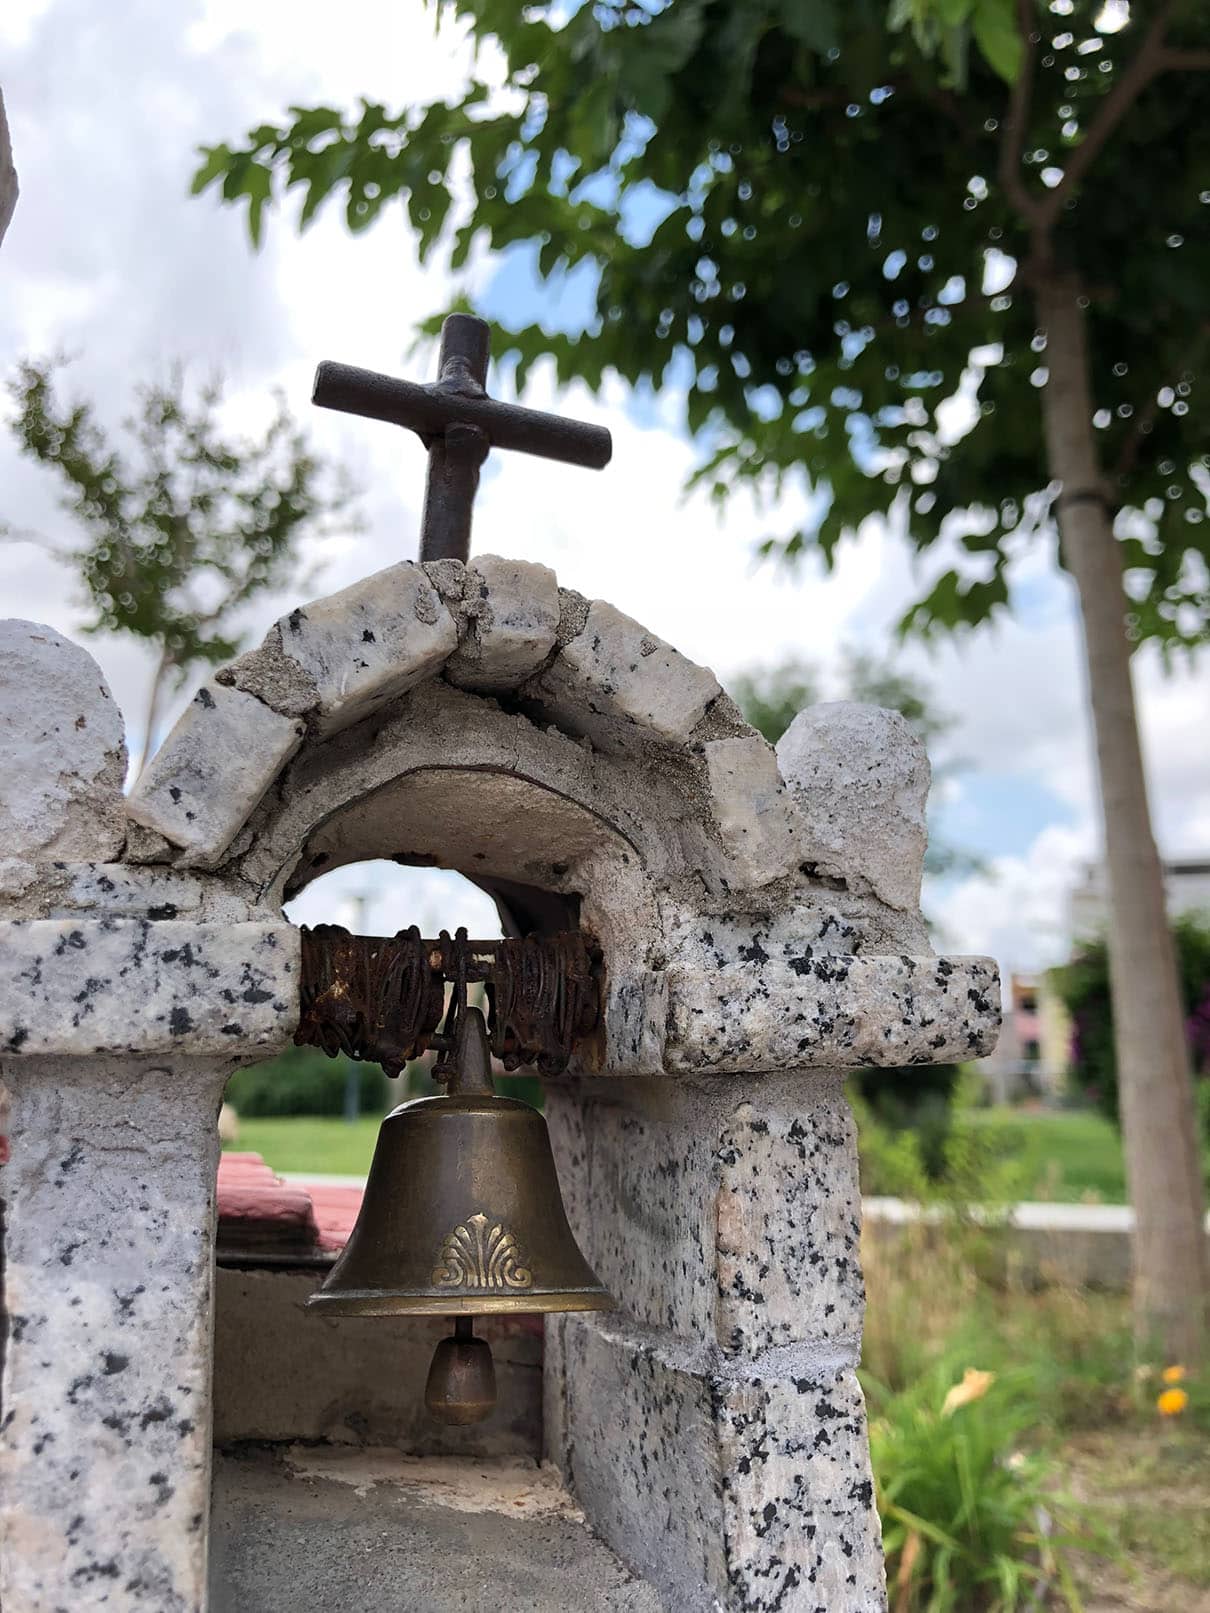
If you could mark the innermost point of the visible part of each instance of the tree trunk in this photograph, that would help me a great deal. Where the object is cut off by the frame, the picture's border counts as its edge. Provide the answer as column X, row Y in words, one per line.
column 8, row 174
column 1159, row 1124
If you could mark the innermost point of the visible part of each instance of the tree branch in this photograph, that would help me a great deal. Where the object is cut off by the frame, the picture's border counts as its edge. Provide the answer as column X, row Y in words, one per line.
column 1013, row 140
column 1187, row 61
column 1148, row 62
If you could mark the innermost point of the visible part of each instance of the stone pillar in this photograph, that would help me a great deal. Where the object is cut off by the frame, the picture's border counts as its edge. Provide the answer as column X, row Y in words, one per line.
column 127, row 996
column 110, row 1212
column 714, row 1429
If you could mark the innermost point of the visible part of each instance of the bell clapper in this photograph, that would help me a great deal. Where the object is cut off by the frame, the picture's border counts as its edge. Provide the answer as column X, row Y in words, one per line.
column 461, row 1385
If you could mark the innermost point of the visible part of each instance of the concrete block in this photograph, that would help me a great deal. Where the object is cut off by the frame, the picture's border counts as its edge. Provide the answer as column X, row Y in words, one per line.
column 754, row 814
column 86, row 986
column 831, row 1010
column 616, row 670
column 62, row 755
column 322, row 1529
column 212, row 770
column 282, row 1372
column 512, row 617
column 860, row 778
column 743, row 1491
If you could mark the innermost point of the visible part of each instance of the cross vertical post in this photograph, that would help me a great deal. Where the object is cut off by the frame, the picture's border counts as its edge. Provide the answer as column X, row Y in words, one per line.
column 457, row 453
column 459, row 424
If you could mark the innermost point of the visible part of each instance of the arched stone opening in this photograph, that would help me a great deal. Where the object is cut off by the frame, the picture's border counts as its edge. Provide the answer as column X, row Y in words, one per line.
column 541, row 855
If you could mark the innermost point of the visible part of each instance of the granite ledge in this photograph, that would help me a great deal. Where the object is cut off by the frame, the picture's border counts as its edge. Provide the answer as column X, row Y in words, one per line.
column 831, row 1010
column 88, row 986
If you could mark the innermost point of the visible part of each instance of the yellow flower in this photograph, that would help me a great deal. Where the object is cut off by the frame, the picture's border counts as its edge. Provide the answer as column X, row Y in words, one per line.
column 1172, row 1402
column 974, row 1386
column 1173, row 1374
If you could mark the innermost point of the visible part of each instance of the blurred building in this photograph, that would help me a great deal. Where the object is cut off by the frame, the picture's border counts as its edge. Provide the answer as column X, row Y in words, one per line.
column 1186, row 885
column 1030, row 1060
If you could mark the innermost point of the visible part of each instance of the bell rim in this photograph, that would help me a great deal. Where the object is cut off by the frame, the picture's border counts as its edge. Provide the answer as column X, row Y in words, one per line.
column 373, row 1302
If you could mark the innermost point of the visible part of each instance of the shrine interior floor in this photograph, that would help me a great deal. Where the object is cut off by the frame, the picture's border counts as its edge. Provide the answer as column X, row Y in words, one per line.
column 322, row 1529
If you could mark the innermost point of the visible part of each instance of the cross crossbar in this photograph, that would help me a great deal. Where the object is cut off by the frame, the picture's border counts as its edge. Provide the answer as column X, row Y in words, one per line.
column 458, row 424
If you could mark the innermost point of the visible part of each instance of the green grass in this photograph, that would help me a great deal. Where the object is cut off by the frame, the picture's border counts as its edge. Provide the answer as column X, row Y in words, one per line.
column 325, row 1144
column 1067, row 1155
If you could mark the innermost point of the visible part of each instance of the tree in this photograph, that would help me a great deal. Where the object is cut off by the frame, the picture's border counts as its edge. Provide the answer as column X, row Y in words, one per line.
column 824, row 226
column 180, row 535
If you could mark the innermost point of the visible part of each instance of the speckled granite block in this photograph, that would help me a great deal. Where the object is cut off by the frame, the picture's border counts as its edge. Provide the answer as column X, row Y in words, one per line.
column 118, row 890
column 105, row 1446
column 616, row 669
column 85, row 986
column 831, row 1009
column 62, row 755
column 752, row 808
column 728, row 1213
column 745, row 1491
column 636, row 1016
column 369, row 643
column 860, row 777
column 512, row 616
column 218, row 761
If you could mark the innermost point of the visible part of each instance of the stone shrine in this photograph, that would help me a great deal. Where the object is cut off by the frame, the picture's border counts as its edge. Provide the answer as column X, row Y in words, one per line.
column 757, row 913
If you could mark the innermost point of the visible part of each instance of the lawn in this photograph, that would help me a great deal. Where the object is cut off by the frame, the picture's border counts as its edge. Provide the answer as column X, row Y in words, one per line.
column 324, row 1144
column 1067, row 1156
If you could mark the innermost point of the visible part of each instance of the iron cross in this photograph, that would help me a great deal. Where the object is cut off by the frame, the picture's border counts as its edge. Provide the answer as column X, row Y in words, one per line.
column 458, row 423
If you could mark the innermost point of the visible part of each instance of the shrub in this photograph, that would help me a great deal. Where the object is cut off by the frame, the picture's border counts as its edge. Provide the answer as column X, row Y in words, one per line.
column 303, row 1081
column 1083, row 986
column 972, row 1523
column 958, row 1165
column 919, row 1099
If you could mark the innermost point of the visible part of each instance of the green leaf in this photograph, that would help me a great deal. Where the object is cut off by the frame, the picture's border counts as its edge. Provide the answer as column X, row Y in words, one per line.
column 257, row 187
column 994, row 26
column 811, row 22
column 216, row 162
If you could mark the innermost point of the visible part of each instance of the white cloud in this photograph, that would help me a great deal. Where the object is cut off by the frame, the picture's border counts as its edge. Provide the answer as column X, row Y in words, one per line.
column 1017, row 911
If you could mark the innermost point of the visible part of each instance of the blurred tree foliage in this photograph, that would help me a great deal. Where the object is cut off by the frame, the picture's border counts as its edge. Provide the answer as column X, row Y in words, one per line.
column 304, row 1081
column 820, row 225
column 183, row 524
column 1083, row 987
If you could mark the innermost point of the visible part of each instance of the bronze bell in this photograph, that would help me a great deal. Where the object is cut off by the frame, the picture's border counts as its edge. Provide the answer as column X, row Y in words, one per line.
column 462, row 1217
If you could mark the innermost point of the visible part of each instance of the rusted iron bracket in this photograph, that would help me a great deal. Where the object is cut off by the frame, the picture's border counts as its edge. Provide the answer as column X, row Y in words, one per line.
column 382, row 998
